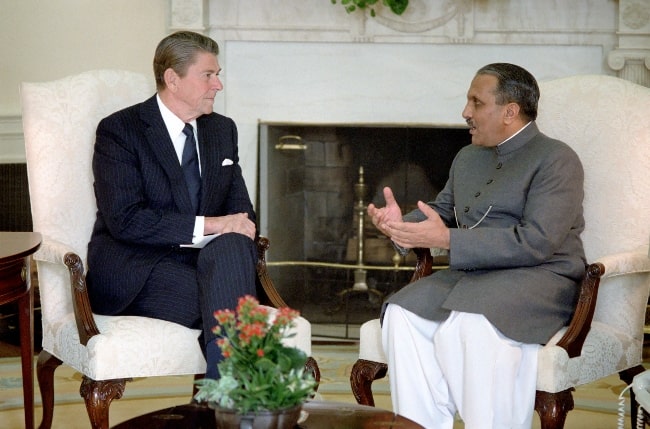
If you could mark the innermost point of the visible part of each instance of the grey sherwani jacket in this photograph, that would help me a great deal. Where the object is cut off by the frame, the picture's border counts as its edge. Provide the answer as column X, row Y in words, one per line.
column 144, row 208
column 515, row 213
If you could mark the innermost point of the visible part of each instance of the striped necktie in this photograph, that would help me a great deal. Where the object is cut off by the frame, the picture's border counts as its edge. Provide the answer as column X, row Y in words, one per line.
column 190, row 165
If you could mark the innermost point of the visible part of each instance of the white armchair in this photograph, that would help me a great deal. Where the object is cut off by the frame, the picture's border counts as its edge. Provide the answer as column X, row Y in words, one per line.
column 605, row 120
column 59, row 121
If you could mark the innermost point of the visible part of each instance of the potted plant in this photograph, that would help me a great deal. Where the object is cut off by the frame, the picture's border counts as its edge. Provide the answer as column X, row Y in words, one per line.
column 396, row 6
column 263, row 383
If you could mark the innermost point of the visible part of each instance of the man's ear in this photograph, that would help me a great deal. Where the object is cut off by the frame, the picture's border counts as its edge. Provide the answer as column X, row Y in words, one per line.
column 171, row 78
column 511, row 112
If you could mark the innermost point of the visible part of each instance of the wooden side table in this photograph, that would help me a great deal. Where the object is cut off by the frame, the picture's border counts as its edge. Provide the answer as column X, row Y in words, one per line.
column 16, row 249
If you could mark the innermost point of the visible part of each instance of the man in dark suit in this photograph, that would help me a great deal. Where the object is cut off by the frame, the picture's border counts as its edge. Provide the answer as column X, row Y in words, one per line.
column 466, row 339
column 167, row 180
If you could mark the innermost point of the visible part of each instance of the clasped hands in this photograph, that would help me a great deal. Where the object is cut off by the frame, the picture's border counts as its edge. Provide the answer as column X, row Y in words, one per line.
column 238, row 222
column 431, row 232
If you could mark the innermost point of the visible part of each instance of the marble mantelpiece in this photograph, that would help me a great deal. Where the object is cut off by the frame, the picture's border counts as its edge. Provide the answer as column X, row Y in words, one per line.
column 311, row 62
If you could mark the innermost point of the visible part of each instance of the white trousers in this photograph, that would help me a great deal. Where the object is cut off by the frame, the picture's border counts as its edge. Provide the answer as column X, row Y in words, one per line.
column 460, row 365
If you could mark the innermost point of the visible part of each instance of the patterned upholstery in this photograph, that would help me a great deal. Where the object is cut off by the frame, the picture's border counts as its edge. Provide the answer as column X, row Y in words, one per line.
column 59, row 121
column 605, row 120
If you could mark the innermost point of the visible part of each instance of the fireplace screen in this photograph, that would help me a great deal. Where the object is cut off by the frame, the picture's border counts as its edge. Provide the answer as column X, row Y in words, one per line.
column 315, row 182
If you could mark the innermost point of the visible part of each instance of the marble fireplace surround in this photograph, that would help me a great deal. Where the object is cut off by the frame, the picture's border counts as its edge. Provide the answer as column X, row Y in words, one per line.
column 309, row 62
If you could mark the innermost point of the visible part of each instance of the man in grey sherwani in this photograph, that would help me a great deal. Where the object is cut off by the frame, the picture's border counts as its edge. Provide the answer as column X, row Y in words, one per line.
column 465, row 339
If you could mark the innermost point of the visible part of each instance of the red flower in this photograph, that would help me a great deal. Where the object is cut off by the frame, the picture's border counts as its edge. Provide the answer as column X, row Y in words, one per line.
column 224, row 316
column 285, row 316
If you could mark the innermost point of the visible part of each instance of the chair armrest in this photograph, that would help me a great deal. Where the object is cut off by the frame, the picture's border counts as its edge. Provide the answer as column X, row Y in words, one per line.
column 52, row 251
column 58, row 253
column 86, row 326
column 625, row 263
column 55, row 252
column 266, row 291
column 578, row 328
column 423, row 264
column 575, row 335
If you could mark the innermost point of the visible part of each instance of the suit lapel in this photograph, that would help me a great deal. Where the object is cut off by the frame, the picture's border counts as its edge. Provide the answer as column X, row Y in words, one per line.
column 160, row 143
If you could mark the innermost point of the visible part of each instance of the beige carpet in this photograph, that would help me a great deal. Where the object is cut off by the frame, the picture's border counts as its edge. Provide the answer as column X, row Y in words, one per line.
column 596, row 404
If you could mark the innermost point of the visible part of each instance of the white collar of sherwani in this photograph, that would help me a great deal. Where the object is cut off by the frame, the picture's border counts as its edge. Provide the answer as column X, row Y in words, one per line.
column 517, row 140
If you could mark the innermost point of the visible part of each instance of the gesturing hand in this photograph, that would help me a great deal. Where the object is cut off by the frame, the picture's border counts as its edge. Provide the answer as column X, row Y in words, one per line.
column 391, row 212
column 431, row 232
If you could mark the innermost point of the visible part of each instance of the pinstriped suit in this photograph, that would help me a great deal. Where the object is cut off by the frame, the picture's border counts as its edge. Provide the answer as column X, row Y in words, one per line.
column 144, row 213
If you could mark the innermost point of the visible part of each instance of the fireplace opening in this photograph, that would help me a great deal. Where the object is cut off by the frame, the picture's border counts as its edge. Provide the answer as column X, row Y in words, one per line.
column 313, row 181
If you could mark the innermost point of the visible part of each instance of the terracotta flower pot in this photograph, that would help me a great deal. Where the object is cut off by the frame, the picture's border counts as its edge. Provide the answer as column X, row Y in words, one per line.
column 286, row 418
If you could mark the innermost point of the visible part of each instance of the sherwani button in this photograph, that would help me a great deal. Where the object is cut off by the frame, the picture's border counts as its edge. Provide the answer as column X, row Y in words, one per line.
column 489, row 181
column 466, row 209
column 499, row 165
column 476, row 195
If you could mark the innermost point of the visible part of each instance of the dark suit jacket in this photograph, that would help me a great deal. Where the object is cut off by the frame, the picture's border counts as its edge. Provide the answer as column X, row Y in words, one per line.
column 143, row 206
column 519, row 265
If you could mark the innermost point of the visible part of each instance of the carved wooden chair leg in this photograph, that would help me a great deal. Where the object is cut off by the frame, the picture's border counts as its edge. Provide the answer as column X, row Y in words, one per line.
column 312, row 366
column 553, row 408
column 98, row 396
column 628, row 376
column 364, row 372
column 45, row 367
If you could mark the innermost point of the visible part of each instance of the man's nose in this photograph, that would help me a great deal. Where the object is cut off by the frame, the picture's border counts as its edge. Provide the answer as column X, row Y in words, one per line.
column 217, row 84
column 466, row 113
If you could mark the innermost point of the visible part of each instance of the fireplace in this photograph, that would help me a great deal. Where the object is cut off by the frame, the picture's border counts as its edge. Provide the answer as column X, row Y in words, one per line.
column 311, row 181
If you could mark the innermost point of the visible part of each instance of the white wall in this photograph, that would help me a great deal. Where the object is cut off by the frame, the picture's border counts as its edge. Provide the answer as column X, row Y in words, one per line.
column 46, row 40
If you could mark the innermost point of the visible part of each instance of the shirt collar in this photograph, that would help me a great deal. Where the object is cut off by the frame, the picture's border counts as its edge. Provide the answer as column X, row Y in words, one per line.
column 173, row 123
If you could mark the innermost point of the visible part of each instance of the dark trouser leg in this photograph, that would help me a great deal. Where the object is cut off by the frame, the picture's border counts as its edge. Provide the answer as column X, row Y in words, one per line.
column 226, row 272
column 171, row 292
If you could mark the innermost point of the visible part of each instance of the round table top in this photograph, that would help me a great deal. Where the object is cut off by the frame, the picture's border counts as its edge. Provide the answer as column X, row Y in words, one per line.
column 15, row 245
column 319, row 415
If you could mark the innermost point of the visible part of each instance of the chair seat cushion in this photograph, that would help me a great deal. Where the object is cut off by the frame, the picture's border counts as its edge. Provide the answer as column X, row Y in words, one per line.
column 606, row 351
column 131, row 346
column 370, row 347
column 128, row 346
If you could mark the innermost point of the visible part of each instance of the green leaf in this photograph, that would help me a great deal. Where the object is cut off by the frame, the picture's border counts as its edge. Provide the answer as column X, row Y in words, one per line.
column 397, row 6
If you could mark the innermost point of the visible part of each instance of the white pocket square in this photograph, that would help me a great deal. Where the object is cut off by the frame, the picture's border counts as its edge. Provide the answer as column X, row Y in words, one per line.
column 226, row 161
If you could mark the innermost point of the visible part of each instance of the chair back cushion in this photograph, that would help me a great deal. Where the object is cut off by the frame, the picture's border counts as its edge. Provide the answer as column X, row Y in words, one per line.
column 59, row 122
column 606, row 120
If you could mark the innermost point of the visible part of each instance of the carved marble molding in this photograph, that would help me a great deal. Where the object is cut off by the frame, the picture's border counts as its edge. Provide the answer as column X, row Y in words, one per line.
column 424, row 21
column 453, row 19
column 188, row 15
column 631, row 64
column 634, row 14
column 631, row 58
column 627, row 48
